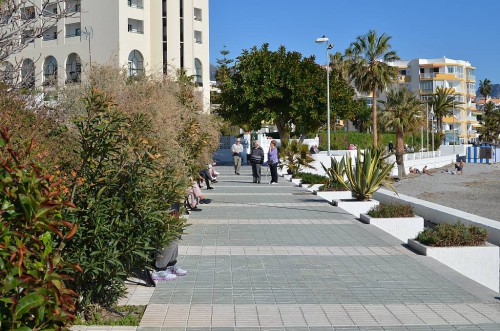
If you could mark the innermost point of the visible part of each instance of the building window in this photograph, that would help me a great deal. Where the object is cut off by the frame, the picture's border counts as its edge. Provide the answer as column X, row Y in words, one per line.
column 135, row 4
column 73, row 68
column 197, row 37
column 50, row 71
column 135, row 63
column 426, row 86
column 198, row 72
column 197, row 14
column 28, row 73
column 135, row 26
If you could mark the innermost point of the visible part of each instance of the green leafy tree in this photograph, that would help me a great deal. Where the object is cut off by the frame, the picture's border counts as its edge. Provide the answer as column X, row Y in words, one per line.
column 485, row 88
column 362, row 119
column 280, row 87
column 443, row 103
column 369, row 69
column 33, row 234
column 490, row 129
column 403, row 113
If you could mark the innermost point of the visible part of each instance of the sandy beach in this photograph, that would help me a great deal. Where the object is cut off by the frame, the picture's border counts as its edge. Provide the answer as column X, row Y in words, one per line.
column 477, row 191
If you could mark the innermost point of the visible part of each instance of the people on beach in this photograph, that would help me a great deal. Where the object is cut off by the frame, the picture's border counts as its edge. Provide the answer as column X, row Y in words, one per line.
column 459, row 167
column 314, row 149
column 414, row 170
column 390, row 147
column 237, row 149
column 256, row 159
column 272, row 161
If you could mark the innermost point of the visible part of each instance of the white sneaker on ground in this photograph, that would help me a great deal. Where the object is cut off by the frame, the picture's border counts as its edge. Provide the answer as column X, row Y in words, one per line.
column 177, row 271
column 274, row 183
column 164, row 275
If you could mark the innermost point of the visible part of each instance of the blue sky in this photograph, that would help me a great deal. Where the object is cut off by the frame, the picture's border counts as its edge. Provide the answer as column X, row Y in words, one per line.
column 458, row 29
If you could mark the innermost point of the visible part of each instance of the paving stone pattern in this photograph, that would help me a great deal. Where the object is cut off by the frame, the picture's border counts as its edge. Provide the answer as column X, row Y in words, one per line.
column 273, row 257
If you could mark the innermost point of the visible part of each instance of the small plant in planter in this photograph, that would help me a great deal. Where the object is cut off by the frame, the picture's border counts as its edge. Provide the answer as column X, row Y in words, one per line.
column 331, row 183
column 296, row 157
column 368, row 173
column 458, row 234
column 395, row 210
column 311, row 178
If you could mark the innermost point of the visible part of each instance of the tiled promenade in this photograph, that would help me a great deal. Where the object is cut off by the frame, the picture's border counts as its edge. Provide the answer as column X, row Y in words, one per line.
column 273, row 257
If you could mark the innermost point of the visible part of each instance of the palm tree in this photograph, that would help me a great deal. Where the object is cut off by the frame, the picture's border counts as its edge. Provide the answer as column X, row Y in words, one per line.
column 443, row 103
column 370, row 70
column 490, row 129
column 485, row 88
column 404, row 114
column 339, row 65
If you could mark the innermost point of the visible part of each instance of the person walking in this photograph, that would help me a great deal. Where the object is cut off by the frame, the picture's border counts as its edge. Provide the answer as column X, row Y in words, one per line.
column 272, row 161
column 237, row 149
column 390, row 147
column 256, row 159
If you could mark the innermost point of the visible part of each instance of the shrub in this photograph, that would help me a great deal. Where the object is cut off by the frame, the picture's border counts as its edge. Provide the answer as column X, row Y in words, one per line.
column 296, row 157
column 444, row 235
column 333, row 186
column 391, row 211
column 341, row 140
column 310, row 178
column 124, row 197
column 33, row 234
column 336, row 169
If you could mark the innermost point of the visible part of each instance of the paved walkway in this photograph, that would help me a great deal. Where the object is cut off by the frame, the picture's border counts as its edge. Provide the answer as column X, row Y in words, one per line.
column 275, row 257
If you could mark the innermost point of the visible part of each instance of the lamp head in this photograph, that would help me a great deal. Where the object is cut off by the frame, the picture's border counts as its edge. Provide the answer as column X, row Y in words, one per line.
column 321, row 40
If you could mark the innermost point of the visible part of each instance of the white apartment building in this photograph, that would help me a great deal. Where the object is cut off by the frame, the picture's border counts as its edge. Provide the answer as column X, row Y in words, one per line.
column 143, row 36
column 424, row 76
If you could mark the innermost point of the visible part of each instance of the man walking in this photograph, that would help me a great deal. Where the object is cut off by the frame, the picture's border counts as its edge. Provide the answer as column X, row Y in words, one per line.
column 256, row 159
column 237, row 149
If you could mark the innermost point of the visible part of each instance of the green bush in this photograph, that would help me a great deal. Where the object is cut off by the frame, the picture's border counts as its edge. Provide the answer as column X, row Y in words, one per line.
column 445, row 235
column 124, row 197
column 333, row 186
column 310, row 178
column 295, row 156
column 391, row 211
column 341, row 140
column 33, row 234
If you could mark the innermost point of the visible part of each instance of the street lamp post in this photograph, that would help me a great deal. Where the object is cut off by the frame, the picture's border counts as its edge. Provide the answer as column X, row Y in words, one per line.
column 328, row 47
column 427, row 127
column 432, row 129
column 454, row 127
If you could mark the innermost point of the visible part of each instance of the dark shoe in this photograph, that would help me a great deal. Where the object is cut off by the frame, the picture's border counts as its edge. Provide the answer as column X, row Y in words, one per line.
column 210, row 188
column 238, row 173
column 215, row 181
column 205, row 201
column 258, row 182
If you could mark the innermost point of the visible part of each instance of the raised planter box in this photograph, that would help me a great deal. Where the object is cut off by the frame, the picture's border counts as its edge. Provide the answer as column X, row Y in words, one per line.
column 287, row 177
column 354, row 206
column 296, row 181
column 334, row 195
column 479, row 263
column 311, row 188
column 403, row 228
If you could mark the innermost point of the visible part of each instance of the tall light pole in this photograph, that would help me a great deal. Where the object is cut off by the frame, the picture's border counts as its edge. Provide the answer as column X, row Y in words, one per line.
column 432, row 128
column 427, row 126
column 454, row 127
column 328, row 47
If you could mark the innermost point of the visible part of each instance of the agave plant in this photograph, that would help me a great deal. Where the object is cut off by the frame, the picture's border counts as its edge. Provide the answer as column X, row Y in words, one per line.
column 331, row 173
column 367, row 174
column 296, row 157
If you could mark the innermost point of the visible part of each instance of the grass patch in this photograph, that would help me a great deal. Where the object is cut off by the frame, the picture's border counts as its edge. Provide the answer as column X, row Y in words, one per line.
column 459, row 234
column 391, row 210
column 310, row 178
column 117, row 315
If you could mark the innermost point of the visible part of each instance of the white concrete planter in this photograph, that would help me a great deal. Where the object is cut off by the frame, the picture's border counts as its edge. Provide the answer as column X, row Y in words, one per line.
column 403, row 228
column 296, row 181
column 311, row 188
column 334, row 195
column 287, row 177
column 355, row 207
column 479, row 263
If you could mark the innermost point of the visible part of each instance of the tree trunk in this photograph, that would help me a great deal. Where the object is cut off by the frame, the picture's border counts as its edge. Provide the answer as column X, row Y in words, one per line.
column 399, row 154
column 283, row 131
column 374, row 111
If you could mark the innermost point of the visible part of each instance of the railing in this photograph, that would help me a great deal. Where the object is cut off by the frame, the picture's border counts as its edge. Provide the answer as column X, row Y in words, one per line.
column 471, row 91
column 135, row 4
column 428, row 75
column 52, row 36
column 74, row 34
column 135, row 30
column 471, row 77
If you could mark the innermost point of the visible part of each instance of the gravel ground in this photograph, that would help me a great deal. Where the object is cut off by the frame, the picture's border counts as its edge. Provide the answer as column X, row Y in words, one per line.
column 477, row 191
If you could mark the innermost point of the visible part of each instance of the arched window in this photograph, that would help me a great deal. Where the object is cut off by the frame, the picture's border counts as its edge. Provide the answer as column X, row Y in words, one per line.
column 198, row 72
column 28, row 73
column 7, row 73
column 135, row 63
column 50, row 71
column 73, row 68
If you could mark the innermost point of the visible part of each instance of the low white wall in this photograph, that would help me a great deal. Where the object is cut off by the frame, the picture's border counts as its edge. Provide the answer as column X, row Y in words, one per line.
column 403, row 228
column 442, row 214
column 449, row 150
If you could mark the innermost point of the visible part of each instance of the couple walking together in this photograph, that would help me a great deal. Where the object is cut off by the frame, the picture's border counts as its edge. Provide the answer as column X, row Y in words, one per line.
column 257, row 159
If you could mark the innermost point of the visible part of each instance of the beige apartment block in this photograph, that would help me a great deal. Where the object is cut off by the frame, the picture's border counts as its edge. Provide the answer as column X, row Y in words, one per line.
column 141, row 36
column 424, row 76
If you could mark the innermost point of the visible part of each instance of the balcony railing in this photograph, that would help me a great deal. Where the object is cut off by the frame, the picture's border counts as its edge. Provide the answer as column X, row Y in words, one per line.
column 471, row 77
column 135, row 4
column 135, row 30
column 50, row 36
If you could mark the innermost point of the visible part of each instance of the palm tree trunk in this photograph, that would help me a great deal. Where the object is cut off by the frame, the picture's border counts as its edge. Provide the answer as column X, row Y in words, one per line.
column 399, row 153
column 374, row 111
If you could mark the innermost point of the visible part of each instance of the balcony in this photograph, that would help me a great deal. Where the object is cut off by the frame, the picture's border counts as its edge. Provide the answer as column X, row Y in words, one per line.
column 136, row 4
column 471, row 78
column 135, row 26
column 73, row 8
column 52, row 35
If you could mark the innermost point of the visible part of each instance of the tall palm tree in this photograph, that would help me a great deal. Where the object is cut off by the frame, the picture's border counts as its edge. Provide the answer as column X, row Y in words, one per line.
column 403, row 113
column 490, row 129
column 485, row 88
column 339, row 65
column 443, row 103
column 369, row 69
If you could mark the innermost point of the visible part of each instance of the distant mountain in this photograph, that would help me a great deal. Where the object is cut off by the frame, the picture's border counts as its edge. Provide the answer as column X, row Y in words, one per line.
column 495, row 92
